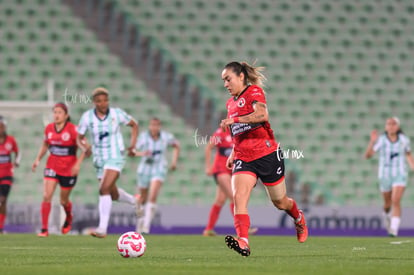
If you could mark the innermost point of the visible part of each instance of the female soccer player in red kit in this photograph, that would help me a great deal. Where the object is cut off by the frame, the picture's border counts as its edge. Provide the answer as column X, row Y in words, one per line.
column 222, row 142
column 255, row 153
column 62, row 165
column 8, row 145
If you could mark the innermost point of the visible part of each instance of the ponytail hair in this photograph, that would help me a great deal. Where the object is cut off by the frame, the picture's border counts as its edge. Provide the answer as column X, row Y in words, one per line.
column 252, row 75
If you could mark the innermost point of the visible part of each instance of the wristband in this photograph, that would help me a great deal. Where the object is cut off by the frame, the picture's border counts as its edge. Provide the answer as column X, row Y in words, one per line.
column 236, row 119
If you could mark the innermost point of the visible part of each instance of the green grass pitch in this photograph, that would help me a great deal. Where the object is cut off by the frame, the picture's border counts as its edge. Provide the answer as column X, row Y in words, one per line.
column 183, row 254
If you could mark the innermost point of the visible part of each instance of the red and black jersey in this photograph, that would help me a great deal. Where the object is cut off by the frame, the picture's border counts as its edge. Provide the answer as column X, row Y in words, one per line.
column 6, row 149
column 62, row 148
column 224, row 144
column 254, row 140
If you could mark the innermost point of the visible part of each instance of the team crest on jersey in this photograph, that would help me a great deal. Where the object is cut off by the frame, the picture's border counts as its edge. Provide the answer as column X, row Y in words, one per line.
column 241, row 102
column 8, row 146
column 49, row 135
column 65, row 136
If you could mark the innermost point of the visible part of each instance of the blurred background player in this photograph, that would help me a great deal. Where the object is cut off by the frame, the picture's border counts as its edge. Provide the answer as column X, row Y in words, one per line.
column 394, row 149
column 8, row 145
column 62, row 165
column 255, row 152
column 152, row 147
column 222, row 142
column 103, row 124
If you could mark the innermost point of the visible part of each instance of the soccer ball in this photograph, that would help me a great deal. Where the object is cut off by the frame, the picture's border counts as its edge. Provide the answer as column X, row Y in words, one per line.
column 131, row 245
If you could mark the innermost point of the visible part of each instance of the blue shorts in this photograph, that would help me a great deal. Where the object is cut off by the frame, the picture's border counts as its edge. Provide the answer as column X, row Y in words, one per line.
column 109, row 164
column 386, row 184
column 144, row 180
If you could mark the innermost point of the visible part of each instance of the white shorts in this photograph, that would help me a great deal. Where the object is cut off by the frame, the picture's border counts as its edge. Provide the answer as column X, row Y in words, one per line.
column 386, row 184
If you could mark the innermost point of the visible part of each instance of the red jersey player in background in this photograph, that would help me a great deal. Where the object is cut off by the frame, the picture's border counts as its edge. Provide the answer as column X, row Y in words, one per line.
column 62, row 165
column 222, row 142
column 255, row 153
column 8, row 146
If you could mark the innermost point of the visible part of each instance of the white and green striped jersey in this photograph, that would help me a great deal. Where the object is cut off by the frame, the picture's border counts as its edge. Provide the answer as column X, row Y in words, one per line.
column 392, row 156
column 157, row 161
column 105, row 134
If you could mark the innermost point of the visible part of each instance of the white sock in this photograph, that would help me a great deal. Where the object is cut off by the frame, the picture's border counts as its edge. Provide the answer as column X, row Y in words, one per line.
column 140, row 218
column 105, row 205
column 395, row 224
column 150, row 209
column 125, row 197
column 387, row 219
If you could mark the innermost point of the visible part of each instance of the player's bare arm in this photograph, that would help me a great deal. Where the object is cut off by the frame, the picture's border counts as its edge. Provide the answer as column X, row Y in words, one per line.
column 208, row 167
column 134, row 134
column 229, row 162
column 410, row 160
column 175, row 154
column 259, row 115
column 369, row 152
column 40, row 154
column 17, row 158
column 76, row 167
column 83, row 145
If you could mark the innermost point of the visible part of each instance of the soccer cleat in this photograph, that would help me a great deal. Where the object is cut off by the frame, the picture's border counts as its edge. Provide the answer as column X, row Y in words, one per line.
column 209, row 233
column 237, row 245
column 253, row 230
column 301, row 228
column 392, row 233
column 67, row 226
column 44, row 233
column 97, row 234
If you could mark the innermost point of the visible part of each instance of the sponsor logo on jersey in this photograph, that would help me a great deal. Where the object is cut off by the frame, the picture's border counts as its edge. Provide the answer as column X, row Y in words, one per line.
column 102, row 135
column 394, row 155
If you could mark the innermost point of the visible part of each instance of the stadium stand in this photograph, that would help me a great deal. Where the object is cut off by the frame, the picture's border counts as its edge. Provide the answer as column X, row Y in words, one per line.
column 46, row 41
column 336, row 70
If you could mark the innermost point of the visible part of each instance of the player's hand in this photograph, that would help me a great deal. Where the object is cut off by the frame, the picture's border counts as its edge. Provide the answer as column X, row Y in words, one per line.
column 374, row 135
column 34, row 165
column 173, row 166
column 209, row 171
column 88, row 151
column 16, row 164
column 229, row 162
column 75, row 170
column 225, row 123
column 131, row 151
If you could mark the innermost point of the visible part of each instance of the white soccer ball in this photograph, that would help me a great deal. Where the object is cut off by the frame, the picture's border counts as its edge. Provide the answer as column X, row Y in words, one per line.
column 131, row 245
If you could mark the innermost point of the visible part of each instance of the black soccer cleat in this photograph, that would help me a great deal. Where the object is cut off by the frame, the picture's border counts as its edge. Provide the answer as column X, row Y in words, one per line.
column 237, row 245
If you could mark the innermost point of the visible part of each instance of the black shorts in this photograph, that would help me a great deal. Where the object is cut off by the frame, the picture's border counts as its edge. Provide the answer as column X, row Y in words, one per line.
column 5, row 185
column 270, row 169
column 64, row 182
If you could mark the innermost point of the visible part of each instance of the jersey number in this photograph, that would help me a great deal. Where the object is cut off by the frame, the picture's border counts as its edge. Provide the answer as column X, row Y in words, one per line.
column 238, row 165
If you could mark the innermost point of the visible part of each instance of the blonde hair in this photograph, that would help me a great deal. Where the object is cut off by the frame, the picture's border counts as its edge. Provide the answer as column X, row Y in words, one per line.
column 252, row 75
